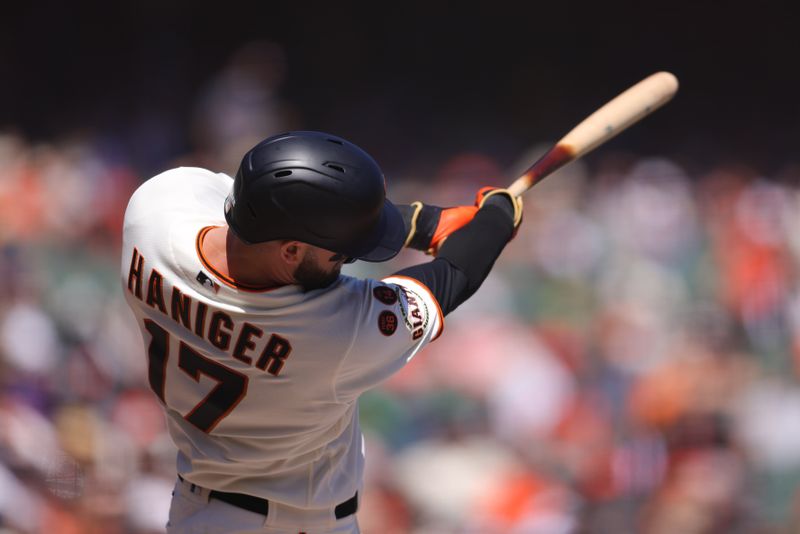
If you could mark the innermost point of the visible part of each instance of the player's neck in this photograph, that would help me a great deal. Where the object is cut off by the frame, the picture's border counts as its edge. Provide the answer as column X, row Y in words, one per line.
column 251, row 265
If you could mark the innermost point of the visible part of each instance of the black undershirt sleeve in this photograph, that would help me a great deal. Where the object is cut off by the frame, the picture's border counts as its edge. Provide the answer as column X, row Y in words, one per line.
column 467, row 255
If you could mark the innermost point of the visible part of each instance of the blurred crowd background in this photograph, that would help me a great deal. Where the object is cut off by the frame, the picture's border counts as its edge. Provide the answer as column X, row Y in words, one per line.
column 630, row 365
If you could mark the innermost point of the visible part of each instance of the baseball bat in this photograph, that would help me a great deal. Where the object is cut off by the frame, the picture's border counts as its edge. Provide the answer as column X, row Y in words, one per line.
column 625, row 109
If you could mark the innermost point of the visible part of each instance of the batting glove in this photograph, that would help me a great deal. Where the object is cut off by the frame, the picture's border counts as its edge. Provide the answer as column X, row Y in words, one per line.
column 428, row 226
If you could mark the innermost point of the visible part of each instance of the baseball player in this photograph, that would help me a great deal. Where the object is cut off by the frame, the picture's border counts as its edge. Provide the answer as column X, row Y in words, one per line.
column 258, row 347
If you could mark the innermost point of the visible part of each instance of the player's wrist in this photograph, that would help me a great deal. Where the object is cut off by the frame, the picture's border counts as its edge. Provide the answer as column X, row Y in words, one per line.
column 502, row 203
column 427, row 226
column 410, row 214
column 420, row 223
column 501, row 199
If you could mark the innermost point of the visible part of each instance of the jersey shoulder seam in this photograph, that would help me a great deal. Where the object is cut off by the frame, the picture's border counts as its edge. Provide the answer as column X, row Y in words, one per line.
column 350, row 346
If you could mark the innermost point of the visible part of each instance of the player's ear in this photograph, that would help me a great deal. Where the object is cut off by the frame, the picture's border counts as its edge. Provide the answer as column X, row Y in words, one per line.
column 292, row 252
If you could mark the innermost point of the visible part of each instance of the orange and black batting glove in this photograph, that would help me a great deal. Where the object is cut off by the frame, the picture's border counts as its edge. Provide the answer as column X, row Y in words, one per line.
column 511, row 204
column 428, row 226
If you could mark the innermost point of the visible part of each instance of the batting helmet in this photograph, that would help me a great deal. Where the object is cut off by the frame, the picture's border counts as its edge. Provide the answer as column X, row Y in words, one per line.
column 316, row 188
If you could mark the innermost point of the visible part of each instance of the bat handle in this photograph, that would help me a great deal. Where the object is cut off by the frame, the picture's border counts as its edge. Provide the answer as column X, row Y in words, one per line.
column 520, row 185
column 553, row 159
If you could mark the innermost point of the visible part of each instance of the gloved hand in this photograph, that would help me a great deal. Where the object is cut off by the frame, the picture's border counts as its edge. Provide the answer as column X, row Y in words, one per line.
column 503, row 199
column 427, row 226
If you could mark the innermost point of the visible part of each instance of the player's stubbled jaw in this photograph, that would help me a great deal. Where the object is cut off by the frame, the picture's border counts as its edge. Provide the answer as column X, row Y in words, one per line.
column 310, row 276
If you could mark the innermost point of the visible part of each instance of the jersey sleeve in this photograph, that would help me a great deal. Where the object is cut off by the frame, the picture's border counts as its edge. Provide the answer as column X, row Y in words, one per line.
column 399, row 317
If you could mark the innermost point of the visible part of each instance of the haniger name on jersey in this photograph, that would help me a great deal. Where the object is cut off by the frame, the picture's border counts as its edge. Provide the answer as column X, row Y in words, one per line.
column 218, row 327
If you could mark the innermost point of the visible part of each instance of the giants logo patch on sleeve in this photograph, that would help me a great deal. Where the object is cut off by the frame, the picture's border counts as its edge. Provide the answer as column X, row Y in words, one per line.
column 415, row 312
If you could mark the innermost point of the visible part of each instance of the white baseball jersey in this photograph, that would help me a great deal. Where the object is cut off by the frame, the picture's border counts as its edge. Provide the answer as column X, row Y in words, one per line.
column 259, row 386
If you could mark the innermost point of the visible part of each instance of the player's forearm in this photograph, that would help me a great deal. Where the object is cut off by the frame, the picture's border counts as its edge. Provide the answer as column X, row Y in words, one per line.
column 466, row 257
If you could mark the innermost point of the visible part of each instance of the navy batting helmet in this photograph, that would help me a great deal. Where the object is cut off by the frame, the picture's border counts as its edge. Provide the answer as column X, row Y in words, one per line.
column 316, row 188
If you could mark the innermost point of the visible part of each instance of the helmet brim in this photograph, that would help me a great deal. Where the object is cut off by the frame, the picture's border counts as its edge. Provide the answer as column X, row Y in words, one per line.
column 387, row 238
